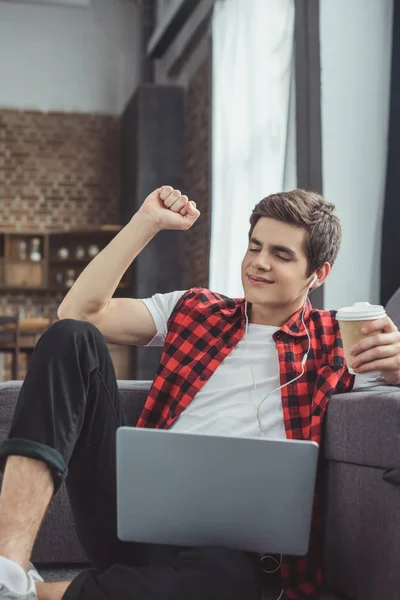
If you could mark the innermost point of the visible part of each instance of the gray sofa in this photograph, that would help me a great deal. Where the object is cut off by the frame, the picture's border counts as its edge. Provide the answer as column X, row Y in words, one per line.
column 361, row 472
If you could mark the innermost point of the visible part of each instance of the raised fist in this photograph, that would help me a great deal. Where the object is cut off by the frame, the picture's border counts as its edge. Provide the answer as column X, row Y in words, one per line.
column 169, row 209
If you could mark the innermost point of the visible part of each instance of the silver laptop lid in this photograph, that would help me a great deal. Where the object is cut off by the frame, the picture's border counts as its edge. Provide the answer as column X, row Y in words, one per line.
column 252, row 494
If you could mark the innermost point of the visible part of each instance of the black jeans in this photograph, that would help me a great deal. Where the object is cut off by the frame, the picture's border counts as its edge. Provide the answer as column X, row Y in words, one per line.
column 67, row 415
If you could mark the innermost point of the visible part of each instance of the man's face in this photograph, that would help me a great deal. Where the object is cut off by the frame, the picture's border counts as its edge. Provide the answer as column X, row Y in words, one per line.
column 276, row 254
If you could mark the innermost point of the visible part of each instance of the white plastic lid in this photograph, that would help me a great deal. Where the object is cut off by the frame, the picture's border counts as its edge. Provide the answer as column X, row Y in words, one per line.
column 361, row 311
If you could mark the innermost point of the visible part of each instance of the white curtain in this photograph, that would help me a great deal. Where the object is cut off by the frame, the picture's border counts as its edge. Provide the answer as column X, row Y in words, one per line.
column 252, row 128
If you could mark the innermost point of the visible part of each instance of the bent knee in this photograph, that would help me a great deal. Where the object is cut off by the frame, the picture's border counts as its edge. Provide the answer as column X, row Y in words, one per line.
column 66, row 328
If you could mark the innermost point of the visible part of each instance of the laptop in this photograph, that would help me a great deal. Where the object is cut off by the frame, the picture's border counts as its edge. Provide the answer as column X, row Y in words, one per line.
column 188, row 489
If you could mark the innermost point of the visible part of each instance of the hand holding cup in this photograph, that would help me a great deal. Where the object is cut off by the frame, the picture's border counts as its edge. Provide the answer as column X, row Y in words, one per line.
column 371, row 341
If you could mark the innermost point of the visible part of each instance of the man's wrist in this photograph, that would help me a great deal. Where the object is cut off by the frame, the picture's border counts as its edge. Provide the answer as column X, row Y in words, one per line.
column 146, row 223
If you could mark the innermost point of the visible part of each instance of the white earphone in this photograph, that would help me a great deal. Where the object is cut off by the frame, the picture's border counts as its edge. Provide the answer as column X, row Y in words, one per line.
column 303, row 362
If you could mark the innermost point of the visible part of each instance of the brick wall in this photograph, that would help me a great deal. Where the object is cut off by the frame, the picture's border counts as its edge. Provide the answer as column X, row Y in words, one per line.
column 57, row 171
column 197, row 171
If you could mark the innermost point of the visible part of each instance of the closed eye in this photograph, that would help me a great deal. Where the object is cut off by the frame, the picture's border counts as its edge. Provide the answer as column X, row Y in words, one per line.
column 277, row 255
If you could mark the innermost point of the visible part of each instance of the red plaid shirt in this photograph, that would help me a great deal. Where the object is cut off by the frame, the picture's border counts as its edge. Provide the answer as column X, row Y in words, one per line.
column 203, row 329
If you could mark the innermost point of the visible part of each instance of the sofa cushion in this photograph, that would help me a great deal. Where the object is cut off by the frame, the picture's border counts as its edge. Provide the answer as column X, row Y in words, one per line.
column 61, row 572
column 133, row 395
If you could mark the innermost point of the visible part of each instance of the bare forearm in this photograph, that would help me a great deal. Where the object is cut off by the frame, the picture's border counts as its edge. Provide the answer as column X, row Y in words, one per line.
column 96, row 285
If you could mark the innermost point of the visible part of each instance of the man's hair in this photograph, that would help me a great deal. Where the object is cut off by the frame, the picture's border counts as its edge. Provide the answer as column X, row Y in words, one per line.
column 307, row 209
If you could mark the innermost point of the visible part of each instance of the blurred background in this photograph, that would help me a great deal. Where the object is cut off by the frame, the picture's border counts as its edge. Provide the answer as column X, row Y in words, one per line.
column 102, row 101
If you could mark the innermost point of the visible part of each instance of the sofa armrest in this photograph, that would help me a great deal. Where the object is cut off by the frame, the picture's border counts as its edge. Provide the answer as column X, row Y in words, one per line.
column 361, row 516
column 362, row 427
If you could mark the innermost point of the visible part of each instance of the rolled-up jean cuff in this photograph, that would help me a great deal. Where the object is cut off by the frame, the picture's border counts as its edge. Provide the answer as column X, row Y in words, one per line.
column 74, row 589
column 31, row 449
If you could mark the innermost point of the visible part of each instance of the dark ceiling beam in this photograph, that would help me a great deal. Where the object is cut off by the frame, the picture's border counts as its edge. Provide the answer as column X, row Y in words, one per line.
column 167, row 30
column 148, row 20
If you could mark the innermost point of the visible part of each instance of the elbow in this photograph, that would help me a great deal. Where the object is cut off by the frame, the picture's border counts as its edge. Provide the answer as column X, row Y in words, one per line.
column 64, row 312
column 61, row 314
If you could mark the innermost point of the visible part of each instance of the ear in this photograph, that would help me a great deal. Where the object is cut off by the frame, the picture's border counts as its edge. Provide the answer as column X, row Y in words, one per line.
column 322, row 274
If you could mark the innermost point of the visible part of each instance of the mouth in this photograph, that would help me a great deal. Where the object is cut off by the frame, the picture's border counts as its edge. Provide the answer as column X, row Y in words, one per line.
column 258, row 281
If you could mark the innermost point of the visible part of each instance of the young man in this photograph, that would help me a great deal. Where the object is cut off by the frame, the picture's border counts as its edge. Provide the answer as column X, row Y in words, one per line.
column 68, row 409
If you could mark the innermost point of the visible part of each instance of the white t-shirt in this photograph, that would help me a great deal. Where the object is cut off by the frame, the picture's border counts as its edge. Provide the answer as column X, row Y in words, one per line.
column 227, row 403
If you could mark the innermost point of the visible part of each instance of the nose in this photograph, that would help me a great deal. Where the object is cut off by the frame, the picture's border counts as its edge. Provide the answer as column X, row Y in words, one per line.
column 261, row 262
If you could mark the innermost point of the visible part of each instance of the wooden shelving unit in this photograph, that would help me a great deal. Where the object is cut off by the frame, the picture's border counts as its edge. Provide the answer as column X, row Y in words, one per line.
column 57, row 265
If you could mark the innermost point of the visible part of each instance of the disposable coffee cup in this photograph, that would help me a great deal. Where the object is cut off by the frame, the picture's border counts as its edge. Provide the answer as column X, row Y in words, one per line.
column 351, row 320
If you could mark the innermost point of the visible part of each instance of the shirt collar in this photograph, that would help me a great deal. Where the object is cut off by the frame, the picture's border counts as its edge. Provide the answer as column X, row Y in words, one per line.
column 294, row 325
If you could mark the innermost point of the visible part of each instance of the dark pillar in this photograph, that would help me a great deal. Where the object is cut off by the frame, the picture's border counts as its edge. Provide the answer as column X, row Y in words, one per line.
column 152, row 130
column 390, row 255
column 308, row 104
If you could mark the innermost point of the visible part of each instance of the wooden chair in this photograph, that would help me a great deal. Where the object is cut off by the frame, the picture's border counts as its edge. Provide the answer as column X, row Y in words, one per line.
column 10, row 339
